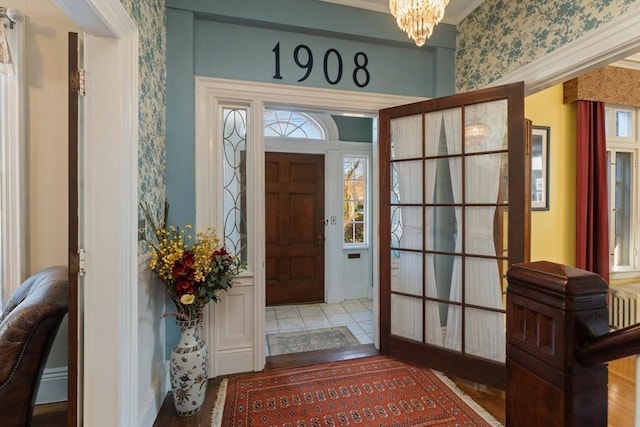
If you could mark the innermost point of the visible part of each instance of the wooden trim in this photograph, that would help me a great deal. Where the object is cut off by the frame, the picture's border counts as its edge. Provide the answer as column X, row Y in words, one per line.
column 72, row 342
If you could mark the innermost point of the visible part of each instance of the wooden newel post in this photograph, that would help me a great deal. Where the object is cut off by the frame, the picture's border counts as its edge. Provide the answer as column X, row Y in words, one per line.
column 551, row 310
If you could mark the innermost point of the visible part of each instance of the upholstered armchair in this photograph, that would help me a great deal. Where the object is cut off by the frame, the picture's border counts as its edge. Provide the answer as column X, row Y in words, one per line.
column 28, row 327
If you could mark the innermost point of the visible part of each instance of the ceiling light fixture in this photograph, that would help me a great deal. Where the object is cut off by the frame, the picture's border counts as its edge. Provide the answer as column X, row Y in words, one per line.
column 418, row 18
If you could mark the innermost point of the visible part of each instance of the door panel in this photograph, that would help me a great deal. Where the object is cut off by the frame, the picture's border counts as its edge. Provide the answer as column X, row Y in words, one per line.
column 294, row 228
column 453, row 217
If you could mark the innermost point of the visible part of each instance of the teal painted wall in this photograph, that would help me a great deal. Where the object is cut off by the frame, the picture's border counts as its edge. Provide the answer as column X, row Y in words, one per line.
column 354, row 129
column 235, row 39
column 501, row 36
column 246, row 53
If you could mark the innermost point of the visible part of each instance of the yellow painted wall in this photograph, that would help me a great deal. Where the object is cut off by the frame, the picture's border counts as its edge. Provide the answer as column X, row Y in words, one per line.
column 553, row 231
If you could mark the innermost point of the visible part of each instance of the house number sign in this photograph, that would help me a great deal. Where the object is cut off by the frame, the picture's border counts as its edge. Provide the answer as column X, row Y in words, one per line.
column 332, row 65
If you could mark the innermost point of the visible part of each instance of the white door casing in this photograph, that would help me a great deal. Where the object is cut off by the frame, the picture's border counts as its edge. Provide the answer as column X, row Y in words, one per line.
column 109, row 322
column 236, row 335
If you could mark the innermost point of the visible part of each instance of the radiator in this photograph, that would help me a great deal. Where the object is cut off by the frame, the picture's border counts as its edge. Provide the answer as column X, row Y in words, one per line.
column 623, row 308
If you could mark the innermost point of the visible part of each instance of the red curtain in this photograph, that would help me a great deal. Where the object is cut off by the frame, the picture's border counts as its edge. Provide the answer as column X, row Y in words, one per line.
column 592, row 203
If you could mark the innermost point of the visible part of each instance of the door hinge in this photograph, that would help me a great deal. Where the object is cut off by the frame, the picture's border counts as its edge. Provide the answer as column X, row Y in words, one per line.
column 82, row 90
column 81, row 262
column 77, row 263
column 78, row 81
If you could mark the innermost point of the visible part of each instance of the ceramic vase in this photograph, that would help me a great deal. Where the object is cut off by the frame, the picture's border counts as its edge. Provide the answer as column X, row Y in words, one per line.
column 188, row 369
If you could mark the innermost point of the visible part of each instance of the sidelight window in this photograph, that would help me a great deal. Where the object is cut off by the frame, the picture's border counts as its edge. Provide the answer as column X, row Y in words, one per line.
column 355, row 200
column 235, row 186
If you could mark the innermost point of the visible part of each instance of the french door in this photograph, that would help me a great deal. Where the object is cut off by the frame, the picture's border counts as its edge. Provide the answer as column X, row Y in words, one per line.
column 454, row 214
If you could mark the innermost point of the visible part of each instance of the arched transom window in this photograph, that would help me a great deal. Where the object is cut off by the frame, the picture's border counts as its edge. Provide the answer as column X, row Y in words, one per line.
column 290, row 124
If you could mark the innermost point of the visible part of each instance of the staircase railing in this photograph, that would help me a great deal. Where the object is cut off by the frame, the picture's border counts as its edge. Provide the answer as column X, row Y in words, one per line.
column 558, row 342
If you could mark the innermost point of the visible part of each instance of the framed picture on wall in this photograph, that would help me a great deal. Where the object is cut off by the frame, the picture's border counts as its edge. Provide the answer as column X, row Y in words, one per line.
column 540, row 168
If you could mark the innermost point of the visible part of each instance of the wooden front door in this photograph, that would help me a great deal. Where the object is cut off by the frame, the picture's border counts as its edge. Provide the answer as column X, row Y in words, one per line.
column 454, row 215
column 294, row 228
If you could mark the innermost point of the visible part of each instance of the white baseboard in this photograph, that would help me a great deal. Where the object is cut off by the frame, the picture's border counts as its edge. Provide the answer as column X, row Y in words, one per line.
column 53, row 386
column 151, row 404
column 365, row 291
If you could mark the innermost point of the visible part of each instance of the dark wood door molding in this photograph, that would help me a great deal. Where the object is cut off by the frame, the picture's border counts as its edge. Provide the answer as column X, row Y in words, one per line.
column 294, row 227
column 73, row 93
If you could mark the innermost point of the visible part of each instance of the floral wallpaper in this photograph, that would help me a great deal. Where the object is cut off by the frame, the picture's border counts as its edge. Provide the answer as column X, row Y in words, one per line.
column 501, row 36
column 151, row 19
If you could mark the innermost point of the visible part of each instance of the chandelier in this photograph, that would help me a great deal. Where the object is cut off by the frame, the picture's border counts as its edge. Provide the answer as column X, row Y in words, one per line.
column 418, row 18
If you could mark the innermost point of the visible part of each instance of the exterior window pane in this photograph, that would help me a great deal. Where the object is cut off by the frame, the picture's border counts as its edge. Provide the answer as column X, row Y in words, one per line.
column 355, row 201
column 622, row 212
column 235, row 188
column 623, row 124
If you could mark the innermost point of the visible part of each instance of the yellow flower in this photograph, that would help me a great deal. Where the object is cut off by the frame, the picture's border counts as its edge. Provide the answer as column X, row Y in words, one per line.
column 187, row 299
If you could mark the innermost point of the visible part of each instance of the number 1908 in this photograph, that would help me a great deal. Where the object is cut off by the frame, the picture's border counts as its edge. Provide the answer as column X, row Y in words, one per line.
column 332, row 65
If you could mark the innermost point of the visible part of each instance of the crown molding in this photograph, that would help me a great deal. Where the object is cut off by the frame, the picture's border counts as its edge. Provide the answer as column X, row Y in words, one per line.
column 611, row 42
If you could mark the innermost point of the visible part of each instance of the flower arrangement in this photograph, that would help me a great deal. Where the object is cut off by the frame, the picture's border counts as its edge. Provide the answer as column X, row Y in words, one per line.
column 193, row 267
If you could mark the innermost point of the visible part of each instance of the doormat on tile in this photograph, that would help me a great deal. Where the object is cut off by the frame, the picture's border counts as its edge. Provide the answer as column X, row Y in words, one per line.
column 314, row 339
column 372, row 391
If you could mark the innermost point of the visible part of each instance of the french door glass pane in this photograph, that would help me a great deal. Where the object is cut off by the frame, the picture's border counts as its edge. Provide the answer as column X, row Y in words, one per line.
column 406, row 317
column 484, row 334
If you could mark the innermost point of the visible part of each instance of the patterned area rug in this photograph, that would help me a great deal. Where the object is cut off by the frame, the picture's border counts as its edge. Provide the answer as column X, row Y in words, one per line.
column 373, row 391
column 315, row 339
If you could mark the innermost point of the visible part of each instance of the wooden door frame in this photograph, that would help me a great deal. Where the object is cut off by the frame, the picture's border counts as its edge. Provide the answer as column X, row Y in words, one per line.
column 73, row 232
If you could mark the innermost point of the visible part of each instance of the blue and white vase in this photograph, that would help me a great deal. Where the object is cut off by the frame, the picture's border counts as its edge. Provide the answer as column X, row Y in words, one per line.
column 188, row 369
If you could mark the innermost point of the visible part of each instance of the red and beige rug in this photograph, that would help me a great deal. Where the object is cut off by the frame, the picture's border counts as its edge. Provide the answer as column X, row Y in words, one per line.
column 373, row 391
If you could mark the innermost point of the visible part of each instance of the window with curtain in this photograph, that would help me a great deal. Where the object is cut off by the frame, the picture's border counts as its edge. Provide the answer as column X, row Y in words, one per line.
column 623, row 144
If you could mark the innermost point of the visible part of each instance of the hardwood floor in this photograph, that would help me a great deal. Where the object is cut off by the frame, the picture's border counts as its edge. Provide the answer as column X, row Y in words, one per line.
column 622, row 374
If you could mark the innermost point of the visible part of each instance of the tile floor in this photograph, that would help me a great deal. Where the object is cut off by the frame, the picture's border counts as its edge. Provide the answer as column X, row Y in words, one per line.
column 355, row 314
